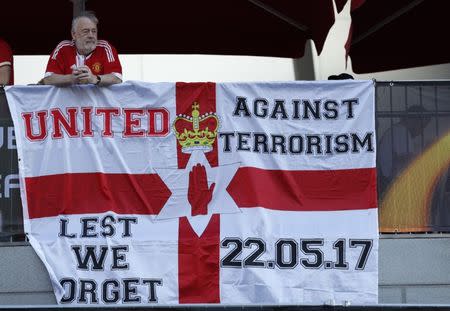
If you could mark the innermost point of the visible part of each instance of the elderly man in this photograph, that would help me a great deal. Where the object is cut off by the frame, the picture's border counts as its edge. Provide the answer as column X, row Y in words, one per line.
column 6, row 64
column 84, row 60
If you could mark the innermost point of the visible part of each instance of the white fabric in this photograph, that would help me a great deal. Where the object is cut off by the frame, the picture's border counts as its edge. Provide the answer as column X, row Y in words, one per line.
column 152, row 250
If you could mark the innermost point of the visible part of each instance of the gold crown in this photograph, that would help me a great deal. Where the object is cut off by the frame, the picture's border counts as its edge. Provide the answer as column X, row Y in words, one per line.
column 196, row 132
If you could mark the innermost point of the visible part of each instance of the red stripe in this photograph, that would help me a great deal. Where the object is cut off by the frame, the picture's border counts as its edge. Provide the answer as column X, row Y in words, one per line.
column 319, row 190
column 198, row 263
column 146, row 194
column 198, row 257
column 88, row 193
column 205, row 95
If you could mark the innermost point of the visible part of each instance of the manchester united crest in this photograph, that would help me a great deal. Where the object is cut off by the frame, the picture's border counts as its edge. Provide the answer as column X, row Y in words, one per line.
column 96, row 68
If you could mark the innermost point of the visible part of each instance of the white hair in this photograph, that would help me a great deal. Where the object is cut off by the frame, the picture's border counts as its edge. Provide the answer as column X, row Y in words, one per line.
column 86, row 14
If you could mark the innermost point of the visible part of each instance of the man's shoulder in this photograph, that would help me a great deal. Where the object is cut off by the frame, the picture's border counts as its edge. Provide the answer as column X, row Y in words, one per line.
column 105, row 45
column 65, row 45
column 4, row 45
column 108, row 49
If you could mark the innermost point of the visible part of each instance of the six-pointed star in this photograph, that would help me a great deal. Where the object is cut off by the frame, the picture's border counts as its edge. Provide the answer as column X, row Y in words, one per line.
column 177, row 180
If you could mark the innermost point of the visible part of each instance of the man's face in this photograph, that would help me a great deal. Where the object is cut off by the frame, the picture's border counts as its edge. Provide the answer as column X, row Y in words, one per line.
column 85, row 36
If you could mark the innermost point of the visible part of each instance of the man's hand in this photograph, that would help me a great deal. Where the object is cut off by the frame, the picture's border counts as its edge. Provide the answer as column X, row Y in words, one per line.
column 199, row 195
column 5, row 73
column 83, row 75
column 80, row 75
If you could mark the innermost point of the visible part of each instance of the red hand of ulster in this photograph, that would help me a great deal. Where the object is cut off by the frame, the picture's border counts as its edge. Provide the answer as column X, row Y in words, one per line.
column 199, row 195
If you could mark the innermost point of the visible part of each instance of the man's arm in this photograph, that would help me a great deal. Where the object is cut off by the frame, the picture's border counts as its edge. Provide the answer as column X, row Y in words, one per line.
column 86, row 76
column 60, row 80
column 6, row 62
column 108, row 79
column 112, row 67
column 5, row 72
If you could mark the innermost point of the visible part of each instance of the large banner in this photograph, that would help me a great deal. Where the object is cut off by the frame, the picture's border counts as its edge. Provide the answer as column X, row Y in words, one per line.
column 231, row 193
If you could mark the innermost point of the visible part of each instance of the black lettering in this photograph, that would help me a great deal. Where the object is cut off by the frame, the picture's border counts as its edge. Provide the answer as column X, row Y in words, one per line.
column 127, row 221
column 286, row 251
column 341, row 142
column 296, row 114
column 88, row 287
column 243, row 141
column 114, row 297
column 260, row 139
column 368, row 139
column 70, row 286
column 88, row 230
column 313, row 141
column 260, row 107
column 90, row 261
column 63, row 229
column 296, row 144
column 328, row 139
column 226, row 136
column 279, row 109
column 350, row 103
column 308, row 109
column 152, row 283
column 278, row 141
column 130, row 290
column 241, row 107
column 331, row 111
column 106, row 224
column 118, row 257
